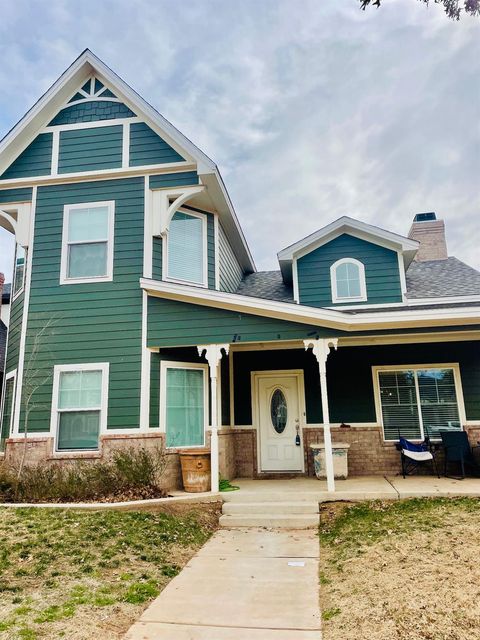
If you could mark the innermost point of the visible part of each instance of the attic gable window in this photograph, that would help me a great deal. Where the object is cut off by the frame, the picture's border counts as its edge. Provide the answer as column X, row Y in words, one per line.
column 186, row 259
column 348, row 281
column 87, row 247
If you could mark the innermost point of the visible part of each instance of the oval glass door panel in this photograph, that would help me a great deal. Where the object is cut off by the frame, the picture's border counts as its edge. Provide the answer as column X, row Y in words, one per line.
column 278, row 410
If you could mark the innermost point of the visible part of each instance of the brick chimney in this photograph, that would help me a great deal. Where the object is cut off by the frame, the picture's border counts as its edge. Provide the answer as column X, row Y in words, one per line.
column 430, row 233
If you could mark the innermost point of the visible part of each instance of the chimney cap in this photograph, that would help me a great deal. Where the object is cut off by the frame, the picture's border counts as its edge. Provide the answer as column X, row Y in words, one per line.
column 425, row 217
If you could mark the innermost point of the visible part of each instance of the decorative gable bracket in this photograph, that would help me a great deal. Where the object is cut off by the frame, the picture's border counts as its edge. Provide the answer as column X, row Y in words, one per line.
column 17, row 221
column 166, row 203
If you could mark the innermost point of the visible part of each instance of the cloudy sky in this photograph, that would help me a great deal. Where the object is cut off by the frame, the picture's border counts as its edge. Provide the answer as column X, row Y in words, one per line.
column 312, row 110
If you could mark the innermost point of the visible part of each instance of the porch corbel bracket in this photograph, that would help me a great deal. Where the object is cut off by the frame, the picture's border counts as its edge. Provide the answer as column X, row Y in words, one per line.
column 321, row 347
column 213, row 354
column 171, row 201
column 10, row 220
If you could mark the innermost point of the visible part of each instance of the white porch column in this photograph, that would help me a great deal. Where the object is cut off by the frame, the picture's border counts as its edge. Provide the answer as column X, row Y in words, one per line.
column 213, row 355
column 321, row 350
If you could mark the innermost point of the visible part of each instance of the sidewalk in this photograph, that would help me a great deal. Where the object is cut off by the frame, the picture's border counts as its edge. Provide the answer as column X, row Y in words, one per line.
column 244, row 584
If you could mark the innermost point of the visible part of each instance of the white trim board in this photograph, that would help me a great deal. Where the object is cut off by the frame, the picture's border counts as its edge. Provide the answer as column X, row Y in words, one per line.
column 329, row 318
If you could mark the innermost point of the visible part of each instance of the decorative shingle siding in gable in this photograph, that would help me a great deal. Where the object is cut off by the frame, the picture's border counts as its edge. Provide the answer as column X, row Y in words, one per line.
column 146, row 147
column 90, row 149
column 230, row 271
column 381, row 271
column 94, row 322
column 91, row 111
column 36, row 160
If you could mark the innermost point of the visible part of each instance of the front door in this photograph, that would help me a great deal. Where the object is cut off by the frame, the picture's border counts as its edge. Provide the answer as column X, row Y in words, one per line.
column 279, row 420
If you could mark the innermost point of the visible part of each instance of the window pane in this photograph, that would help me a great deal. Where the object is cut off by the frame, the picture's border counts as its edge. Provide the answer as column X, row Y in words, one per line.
column 78, row 430
column 399, row 404
column 88, row 224
column 185, row 248
column 438, row 400
column 80, row 390
column 19, row 269
column 347, row 277
column 87, row 260
column 7, row 412
column 185, row 408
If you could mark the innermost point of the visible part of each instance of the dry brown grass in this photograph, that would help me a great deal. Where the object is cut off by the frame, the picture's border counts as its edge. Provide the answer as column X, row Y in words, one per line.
column 89, row 575
column 401, row 571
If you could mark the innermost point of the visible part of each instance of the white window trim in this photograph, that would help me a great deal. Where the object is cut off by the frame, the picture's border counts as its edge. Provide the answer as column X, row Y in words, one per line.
column 333, row 279
column 16, row 294
column 455, row 366
column 104, row 367
column 168, row 364
column 165, row 276
column 9, row 376
column 110, row 204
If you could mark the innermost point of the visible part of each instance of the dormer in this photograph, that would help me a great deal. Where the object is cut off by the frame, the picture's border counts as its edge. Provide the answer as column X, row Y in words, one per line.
column 348, row 262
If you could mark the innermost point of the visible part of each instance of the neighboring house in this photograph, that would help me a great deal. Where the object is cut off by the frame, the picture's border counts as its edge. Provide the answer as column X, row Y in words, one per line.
column 133, row 269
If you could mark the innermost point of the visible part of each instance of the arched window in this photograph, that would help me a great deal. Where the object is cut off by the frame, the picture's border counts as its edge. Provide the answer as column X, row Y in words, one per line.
column 187, row 248
column 348, row 281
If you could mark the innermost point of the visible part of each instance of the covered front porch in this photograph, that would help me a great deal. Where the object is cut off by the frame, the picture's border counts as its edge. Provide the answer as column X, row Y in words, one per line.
column 267, row 402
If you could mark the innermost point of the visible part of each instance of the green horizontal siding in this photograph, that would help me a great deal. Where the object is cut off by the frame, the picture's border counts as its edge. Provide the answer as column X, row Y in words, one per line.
column 230, row 271
column 381, row 271
column 180, row 179
column 349, row 376
column 157, row 258
column 91, row 111
column 36, row 160
column 172, row 323
column 90, row 149
column 14, row 330
column 147, row 147
column 94, row 322
column 15, row 195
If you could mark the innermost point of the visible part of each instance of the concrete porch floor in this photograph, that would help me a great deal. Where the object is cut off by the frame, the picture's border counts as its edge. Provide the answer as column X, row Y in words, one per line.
column 352, row 489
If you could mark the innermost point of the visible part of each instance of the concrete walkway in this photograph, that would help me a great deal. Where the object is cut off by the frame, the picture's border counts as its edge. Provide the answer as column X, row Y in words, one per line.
column 244, row 584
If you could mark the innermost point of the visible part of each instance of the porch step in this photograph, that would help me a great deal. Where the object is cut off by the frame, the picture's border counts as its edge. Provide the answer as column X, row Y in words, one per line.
column 270, row 508
column 249, row 497
column 299, row 521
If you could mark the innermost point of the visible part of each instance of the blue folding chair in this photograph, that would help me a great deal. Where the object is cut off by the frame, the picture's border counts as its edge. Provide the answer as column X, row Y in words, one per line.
column 413, row 456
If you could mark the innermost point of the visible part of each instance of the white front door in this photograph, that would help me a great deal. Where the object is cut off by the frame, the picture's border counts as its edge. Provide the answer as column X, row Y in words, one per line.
column 279, row 420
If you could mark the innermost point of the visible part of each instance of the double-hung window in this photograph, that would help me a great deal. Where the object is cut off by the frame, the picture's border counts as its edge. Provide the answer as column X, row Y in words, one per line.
column 19, row 270
column 79, row 407
column 348, row 281
column 184, row 403
column 87, row 251
column 418, row 401
column 186, row 256
column 7, row 408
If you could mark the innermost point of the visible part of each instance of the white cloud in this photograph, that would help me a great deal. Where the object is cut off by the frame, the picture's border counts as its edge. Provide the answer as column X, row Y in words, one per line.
column 312, row 110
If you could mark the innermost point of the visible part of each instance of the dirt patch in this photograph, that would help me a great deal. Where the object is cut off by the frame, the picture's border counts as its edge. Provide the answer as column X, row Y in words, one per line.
column 401, row 570
column 87, row 575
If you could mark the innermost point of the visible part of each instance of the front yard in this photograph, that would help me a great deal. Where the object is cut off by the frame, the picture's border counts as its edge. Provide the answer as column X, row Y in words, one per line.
column 408, row 569
column 83, row 575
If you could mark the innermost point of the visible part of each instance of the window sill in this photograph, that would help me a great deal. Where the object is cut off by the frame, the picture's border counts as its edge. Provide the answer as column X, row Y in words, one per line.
column 75, row 455
column 86, row 280
column 190, row 283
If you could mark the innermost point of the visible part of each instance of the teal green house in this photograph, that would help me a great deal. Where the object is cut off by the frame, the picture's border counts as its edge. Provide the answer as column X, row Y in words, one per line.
column 138, row 317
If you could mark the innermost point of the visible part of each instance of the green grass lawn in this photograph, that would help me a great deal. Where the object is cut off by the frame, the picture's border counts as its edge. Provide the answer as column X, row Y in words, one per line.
column 403, row 569
column 78, row 574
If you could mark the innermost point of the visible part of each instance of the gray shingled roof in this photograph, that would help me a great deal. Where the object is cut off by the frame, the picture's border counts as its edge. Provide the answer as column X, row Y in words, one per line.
column 430, row 279
column 442, row 278
column 266, row 284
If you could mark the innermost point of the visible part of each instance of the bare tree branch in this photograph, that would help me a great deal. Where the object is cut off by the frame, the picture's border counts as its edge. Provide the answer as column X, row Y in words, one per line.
column 453, row 8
